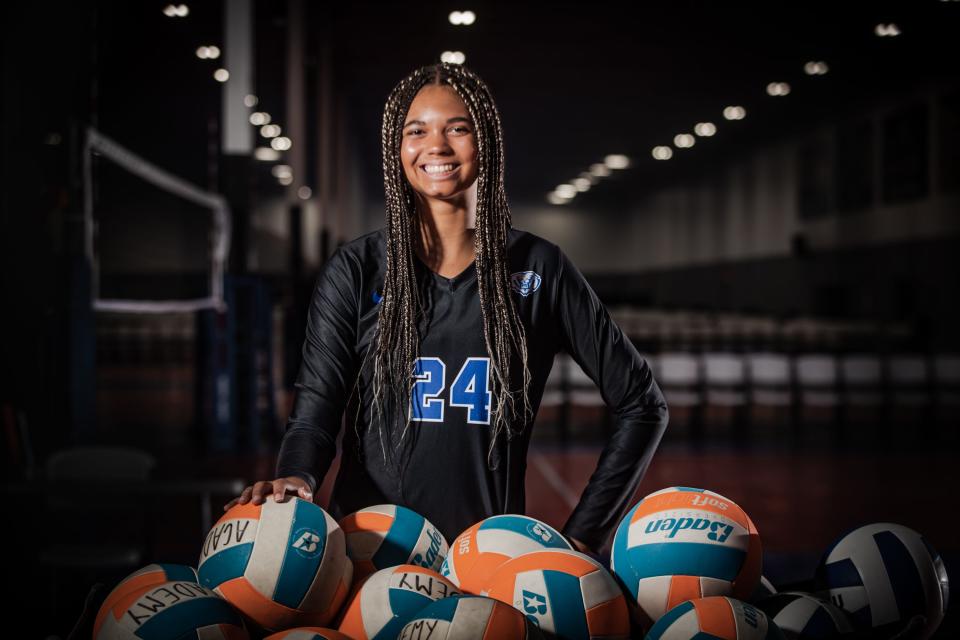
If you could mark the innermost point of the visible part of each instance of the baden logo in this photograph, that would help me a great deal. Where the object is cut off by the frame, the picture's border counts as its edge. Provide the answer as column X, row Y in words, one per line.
column 716, row 531
column 525, row 282
column 432, row 552
column 538, row 531
column 307, row 543
column 534, row 603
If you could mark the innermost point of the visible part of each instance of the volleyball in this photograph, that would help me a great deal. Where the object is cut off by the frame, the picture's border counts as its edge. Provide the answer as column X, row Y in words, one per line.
column 386, row 600
column 469, row 618
column 118, row 599
column 565, row 593
column 172, row 609
column 805, row 617
column 715, row 618
column 480, row 550
column 283, row 564
column 388, row 535
column 680, row 543
column 308, row 633
column 884, row 575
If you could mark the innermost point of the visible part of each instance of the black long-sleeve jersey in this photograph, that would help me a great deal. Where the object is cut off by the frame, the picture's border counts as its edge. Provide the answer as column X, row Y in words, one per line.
column 446, row 476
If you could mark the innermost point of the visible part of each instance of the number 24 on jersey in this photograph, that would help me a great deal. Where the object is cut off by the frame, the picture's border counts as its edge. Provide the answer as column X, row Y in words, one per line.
column 470, row 389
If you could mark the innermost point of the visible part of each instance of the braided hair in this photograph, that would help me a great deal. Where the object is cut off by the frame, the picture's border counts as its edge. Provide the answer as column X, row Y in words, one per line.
column 397, row 342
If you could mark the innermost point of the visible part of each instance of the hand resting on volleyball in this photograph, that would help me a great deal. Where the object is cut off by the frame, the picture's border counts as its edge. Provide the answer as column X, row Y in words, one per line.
column 278, row 488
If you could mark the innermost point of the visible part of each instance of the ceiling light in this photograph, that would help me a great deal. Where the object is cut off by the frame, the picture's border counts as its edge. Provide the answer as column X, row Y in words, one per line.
column 778, row 89
column 251, row 100
column 581, row 184
column 662, row 153
column 285, row 180
column 453, row 57
column 705, row 129
column 259, row 118
column 553, row 198
column 684, row 140
column 270, row 130
column 266, row 154
column 280, row 170
column 304, row 192
column 281, row 144
column 221, row 75
column 600, row 170
column 617, row 161
column 816, row 68
column 734, row 113
column 889, row 30
column 566, row 191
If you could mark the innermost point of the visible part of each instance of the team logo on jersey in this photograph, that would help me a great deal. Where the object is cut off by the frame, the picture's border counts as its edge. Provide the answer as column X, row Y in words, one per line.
column 525, row 282
column 377, row 297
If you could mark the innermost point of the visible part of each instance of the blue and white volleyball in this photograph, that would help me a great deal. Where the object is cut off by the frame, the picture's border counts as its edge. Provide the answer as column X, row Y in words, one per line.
column 885, row 575
column 174, row 609
column 802, row 616
column 388, row 535
column 715, row 618
column 681, row 543
column 480, row 550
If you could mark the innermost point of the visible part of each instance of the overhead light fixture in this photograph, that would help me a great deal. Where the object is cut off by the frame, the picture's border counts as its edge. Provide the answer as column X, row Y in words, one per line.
column 176, row 11
column 280, row 170
column 553, row 198
column 304, row 192
column 599, row 170
column 221, row 75
column 662, row 153
column 259, row 118
column 281, row 143
column 617, row 161
column 250, row 100
column 208, row 53
column 734, row 113
column 566, row 191
column 684, row 140
column 778, row 89
column 816, row 68
column 453, row 57
column 464, row 18
column 266, row 154
column 581, row 184
column 285, row 180
column 270, row 130
column 889, row 30
column 705, row 129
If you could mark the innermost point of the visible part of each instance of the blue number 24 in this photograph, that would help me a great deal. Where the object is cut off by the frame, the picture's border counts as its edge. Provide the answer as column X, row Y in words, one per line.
column 470, row 389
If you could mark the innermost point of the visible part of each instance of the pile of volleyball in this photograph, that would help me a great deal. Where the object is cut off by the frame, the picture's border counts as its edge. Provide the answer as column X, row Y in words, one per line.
column 685, row 564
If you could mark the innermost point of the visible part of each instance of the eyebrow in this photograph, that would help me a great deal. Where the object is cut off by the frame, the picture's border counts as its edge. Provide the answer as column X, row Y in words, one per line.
column 454, row 119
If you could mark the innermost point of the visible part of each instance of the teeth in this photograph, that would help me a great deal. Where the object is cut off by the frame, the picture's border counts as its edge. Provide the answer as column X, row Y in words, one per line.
column 438, row 168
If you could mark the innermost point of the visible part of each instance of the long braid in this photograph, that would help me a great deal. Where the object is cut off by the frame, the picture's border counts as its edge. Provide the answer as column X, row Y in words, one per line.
column 398, row 341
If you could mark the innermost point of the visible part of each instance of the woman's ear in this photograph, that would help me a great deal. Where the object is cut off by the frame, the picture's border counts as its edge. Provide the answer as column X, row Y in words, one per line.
column 472, row 205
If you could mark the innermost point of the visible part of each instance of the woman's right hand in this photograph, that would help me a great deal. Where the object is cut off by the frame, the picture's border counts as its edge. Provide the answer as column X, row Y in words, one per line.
column 258, row 492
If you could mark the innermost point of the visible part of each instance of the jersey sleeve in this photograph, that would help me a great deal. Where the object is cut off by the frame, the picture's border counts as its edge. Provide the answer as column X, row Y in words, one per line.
column 626, row 383
column 327, row 374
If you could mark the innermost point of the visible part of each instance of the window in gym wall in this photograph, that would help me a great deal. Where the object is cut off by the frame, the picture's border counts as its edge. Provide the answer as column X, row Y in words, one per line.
column 905, row 161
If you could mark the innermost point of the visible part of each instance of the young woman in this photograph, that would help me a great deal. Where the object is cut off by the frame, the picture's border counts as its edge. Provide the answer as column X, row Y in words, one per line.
column 437, row 333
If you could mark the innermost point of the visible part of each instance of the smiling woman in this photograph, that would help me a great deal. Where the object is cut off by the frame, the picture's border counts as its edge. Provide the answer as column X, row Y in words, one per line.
column 438, row 331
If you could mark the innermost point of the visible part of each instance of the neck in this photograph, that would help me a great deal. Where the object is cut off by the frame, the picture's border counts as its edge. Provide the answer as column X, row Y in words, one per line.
column 444, row 237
